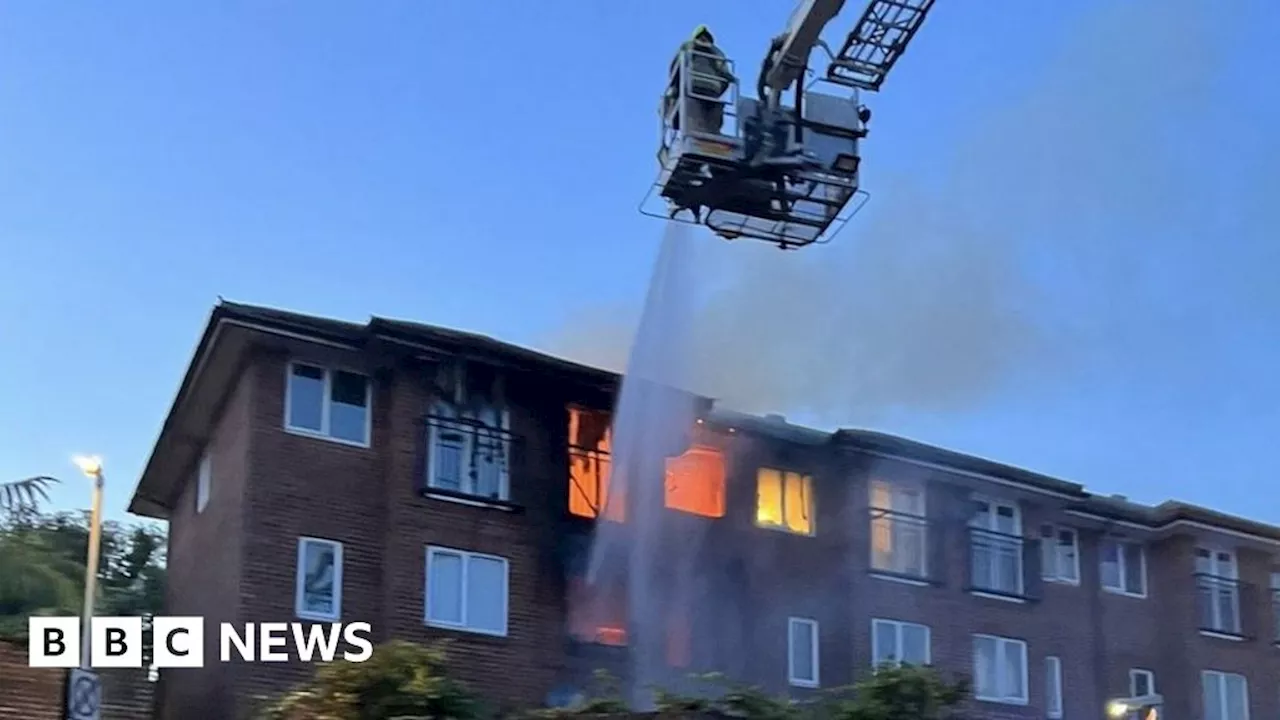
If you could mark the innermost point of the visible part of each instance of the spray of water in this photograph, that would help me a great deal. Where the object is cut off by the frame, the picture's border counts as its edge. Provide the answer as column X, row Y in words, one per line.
column 653, row 419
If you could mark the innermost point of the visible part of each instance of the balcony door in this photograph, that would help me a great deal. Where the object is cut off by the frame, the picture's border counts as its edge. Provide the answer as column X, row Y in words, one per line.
column 1217, row 581
column 996, row 546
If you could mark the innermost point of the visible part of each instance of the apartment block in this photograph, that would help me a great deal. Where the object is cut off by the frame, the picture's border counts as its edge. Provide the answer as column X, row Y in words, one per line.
column 444, row 485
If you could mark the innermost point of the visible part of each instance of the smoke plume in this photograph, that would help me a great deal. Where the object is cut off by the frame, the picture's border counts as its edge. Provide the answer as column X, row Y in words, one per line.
column 1067, row 231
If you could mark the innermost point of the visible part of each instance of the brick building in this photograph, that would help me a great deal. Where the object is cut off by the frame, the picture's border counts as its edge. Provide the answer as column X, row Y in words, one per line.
column 440, row 484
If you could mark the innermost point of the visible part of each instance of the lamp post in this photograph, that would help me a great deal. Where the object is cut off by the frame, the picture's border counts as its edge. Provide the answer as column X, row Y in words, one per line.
column 92, row 468
column 1146, row 707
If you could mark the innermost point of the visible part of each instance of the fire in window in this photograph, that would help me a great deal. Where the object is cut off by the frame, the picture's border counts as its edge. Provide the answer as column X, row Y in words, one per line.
column 784, row 500
column 695, row 482
column 597, row 615
column 589, row 456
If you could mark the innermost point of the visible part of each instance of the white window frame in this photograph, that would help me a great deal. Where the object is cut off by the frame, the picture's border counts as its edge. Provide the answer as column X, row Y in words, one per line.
column 1121, row 565
column 811, row 626
column 326, row 404
column 1053, row 687
column 1134, row 674
column 467, row 556
column 895, row 489
column 991, row 526
column 1049, row 551
column 1230, row 573
column 898, row 626
column 1220, row 678
column 1002, row 645
column 438, row 409
column 300, row 580
column 204, row 481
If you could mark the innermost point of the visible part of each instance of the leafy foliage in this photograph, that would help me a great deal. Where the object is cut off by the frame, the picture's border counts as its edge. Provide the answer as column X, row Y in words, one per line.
column 19, row 495
column 42, row 565
column 401, row 681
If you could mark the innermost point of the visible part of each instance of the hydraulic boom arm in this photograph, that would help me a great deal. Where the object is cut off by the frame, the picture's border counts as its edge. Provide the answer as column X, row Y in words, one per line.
column 867, row 54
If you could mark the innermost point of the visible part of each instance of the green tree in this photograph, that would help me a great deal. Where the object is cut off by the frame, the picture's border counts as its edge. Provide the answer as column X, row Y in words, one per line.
column 904, row 692
column 401, row 681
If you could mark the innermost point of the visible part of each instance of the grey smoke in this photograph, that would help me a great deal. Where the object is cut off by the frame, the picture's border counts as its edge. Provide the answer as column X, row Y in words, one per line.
column 1072, row 229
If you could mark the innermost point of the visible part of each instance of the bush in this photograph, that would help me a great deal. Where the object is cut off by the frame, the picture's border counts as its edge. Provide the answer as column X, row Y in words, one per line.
column 401, row 681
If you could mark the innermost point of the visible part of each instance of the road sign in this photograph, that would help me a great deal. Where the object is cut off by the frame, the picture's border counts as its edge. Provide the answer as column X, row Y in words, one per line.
column 84, row 695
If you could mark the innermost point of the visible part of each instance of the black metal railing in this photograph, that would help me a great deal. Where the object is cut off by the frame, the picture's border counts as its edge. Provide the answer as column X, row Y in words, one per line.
column 467, row 457
column 1218, row 604
column 900, row 544
column 997, row 562
column 588, row 480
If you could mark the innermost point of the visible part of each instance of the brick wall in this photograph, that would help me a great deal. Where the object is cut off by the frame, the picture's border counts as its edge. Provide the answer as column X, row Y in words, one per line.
column 28, row 693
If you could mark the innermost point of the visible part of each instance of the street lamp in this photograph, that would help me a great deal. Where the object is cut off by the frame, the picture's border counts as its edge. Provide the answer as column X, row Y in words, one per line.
column 92, row 468
column 1146, row 707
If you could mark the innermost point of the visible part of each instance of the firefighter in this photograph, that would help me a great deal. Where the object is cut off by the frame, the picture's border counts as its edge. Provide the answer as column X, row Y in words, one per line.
column 709, row 80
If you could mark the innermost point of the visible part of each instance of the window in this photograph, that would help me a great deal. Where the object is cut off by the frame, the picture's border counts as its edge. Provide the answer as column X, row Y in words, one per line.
column 995, row 542
column 1226, row 696
column 466, row 591
column 1053, row 687
column 1141, row 683
column 695, row 482
column 898, row 528
column 999, row 670
column 802, row 652
column 318, row 594
column 1124, row 567
column 896, row 642
column 590, row 440
column 1275, row 605
column 328, row 403
column 469, row 450
column 204, row 478
column 1218, row 590
column 784, row 501
column 1060, row 555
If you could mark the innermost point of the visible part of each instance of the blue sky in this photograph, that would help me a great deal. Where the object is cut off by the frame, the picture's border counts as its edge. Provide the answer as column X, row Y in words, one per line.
column 478, row 165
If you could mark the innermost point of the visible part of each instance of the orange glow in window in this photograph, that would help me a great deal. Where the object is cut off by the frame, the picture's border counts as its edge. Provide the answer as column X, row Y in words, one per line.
column 597, row 618
column 695, row 482
column 589, row 447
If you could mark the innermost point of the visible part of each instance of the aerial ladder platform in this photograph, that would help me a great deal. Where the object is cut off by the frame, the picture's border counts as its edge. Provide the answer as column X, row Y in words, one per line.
column 764, row 169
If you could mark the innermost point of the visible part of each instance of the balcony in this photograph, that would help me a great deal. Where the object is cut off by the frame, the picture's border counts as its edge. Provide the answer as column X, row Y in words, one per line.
column 1218, row 605
column 1001, row 564
column 900, row 545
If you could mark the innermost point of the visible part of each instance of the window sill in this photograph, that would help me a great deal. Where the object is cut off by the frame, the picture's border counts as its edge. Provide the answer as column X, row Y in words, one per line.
column 1016, row 598
column 784, row 530
column 462, row 498
column 303, row 432
column 1124, row 593
column 809, row 684
column 1062, row 581
column 470, row 632
column 1001, row 701
column 318, row 617
column 904, row 578
column 1233, row 637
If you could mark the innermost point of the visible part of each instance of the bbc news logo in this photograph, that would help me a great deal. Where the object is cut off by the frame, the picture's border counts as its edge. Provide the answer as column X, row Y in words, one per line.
column 179, row 642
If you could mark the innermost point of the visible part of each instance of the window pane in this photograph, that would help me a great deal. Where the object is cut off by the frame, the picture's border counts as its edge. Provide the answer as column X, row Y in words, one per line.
column 446, row 461
column 802, row 643
column 908, row 544
column 1237, row 697
column 1133, row 580
column 769, row 497
column 349, row 411
column 1111, row 565
column 881, row 495
column 306, row 398
column 984, row 667
column 798, row 503
column 1053, row 687
column 1012, row 670
column 915, row 644
column 1141, row 684
column 486, row 594
column 1066, row 555
column 444, row 588
column 886, row 642
column 490, row 463
column 318, row 578
column 1212, row 696
column 1006, row 522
